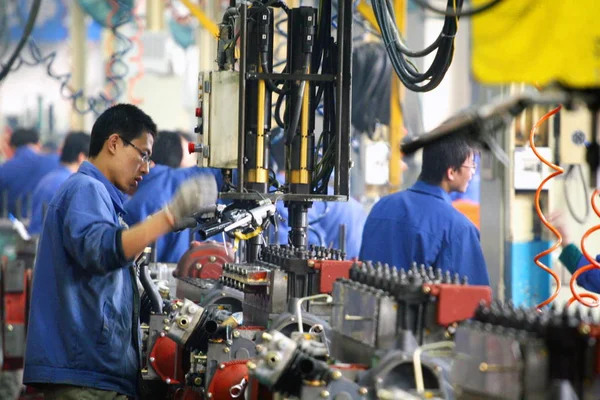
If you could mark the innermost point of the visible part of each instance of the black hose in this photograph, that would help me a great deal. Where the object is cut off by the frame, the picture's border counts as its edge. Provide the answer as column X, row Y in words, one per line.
column 149, row 288
column 466, row 13
column 295, row 120
column 28, row 29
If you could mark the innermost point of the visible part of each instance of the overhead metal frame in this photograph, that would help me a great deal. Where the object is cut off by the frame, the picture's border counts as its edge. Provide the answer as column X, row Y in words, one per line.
column 343, row 93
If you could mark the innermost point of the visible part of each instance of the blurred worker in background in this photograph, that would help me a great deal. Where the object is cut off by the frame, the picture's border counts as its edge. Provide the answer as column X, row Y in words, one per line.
column 572, row 257
column 168, row 154
column 20, row 175
column 324, row 218
column 421, row 225
column 74, row 152
column 83, row 336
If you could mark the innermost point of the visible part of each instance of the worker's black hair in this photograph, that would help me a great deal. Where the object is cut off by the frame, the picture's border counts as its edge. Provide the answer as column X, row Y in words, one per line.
column 167, row 149
column 75, row 143
column 124, row 119
column 24, row 136
column 449, row 152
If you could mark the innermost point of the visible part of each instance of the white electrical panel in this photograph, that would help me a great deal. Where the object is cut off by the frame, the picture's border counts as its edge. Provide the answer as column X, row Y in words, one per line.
column 574, row 124
column 529, row 171
column 218, row 101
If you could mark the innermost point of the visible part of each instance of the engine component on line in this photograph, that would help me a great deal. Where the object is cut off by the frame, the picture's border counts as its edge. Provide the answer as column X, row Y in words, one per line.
column 282, row 274
column 297, row 367
column 204, row 260
column 513, row 353
column 188, row 318
column 379, row 302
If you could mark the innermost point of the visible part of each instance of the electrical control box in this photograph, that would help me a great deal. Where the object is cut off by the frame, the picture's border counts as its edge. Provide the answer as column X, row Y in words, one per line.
column 529, row 171
column 217, row 113
column 575, row 131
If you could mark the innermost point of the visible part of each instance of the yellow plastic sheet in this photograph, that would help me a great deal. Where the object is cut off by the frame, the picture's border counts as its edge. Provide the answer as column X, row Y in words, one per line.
column 538, row 41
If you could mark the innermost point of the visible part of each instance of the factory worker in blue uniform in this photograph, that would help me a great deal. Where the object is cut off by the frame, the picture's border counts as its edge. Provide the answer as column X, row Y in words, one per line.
column 20, row 175
column 83, row 338
column 169, row 155
column 74, row 152
column 421, row 225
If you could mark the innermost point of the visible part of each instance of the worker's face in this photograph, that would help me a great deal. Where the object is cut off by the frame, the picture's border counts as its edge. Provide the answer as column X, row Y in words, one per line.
column 131, row 161
column 460, row 178
column 188, row 160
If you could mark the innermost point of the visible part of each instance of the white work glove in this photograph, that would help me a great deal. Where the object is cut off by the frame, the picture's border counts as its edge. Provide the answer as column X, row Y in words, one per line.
column 194, row 196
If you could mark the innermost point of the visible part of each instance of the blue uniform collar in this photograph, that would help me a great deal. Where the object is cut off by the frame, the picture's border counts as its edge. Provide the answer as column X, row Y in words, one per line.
column 117, row 197
column 24, row 151
column 432, row 190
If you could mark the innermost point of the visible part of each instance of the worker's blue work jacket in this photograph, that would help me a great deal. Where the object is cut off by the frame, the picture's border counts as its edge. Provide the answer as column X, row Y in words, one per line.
column 589, row 280
column 420, row 225
column 154, row 192
column 83, row 325
column 42, row 195
column 324, row 219
column 20, row 175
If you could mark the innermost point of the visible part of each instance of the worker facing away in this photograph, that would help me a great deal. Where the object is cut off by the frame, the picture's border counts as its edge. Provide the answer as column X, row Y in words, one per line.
column 421, row 225
column 74, row 152
column 159, row 186
column 83, row 336
column 20, row 175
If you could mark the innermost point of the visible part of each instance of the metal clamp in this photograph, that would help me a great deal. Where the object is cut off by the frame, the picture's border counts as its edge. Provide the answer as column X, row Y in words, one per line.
column 237, row 390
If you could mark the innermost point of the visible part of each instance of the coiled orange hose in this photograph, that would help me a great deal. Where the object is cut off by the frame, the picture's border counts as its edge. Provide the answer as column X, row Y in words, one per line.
column 557, row 171
column 593, row 264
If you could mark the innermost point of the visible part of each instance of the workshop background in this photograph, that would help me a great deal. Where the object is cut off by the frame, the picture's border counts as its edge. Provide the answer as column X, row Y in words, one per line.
column 83, row 55
column 60, row 83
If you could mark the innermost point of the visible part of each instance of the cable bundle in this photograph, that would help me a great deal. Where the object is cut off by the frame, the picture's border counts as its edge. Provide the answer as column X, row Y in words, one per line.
column 398, row 50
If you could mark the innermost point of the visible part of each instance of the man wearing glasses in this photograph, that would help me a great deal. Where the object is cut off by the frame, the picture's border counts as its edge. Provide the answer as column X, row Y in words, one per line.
column 421, row 225
column 83, row 332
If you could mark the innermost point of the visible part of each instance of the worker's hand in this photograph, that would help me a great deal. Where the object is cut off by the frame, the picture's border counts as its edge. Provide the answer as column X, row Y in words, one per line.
column 194, row 196
column 557, row 219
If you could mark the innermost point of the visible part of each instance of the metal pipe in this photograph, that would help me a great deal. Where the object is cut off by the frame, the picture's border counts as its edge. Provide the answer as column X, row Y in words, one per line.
column 328, row 299
column 338, row 95
column 342, row 238
column 304, row 172
column 242, row 94
column 260, row 173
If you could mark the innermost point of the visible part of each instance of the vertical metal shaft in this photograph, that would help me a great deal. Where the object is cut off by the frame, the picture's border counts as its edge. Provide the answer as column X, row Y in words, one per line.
column 242, row 100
